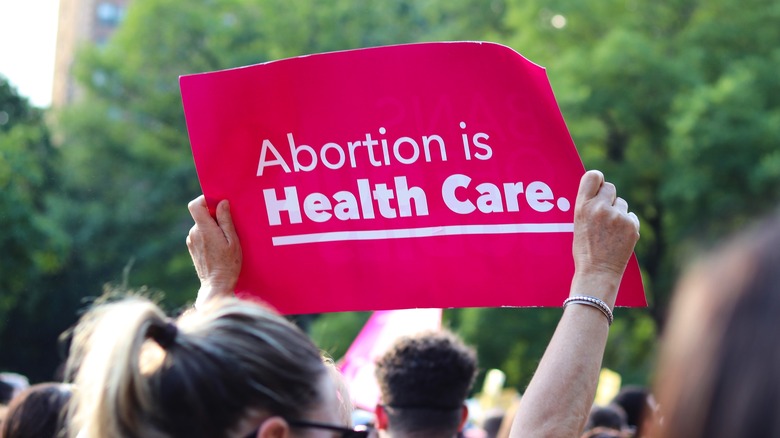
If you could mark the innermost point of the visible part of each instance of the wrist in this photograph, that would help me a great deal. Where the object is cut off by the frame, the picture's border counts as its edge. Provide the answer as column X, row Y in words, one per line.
column 209, row 290
column 593, row 302
column 599, row 284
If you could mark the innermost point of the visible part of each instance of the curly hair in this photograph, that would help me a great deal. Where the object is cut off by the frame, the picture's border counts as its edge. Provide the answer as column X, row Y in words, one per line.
column 424, row 380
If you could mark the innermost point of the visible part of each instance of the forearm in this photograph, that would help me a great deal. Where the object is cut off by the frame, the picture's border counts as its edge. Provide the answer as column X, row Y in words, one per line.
column 560, row 395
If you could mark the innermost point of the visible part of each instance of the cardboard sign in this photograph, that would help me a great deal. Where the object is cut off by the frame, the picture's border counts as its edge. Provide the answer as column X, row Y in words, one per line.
column 423, row 175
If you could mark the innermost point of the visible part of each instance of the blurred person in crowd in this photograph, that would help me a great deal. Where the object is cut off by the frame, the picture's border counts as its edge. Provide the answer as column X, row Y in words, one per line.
column 346, row 409
column 611, row 417
column 6, row 394
column 607, row 419
column 37, row 412
column 11, row 384
column 559, row 397
column 17, row 382
column 492, row 422
column 424, row 381
column 230, row 369
column 719, row 369
column 638, row 404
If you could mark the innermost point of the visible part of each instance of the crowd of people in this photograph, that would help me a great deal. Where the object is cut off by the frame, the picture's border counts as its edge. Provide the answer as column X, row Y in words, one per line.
column 232, row 368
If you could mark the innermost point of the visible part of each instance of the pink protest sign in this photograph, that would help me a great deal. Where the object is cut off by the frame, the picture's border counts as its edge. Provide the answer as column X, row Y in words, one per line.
column 381, row 330
column 423, row 175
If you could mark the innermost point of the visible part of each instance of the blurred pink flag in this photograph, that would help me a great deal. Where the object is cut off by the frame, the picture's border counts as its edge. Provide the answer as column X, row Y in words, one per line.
column 380, row 331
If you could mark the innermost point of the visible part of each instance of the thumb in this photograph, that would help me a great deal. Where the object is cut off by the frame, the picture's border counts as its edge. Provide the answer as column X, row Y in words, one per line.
column 225, row 220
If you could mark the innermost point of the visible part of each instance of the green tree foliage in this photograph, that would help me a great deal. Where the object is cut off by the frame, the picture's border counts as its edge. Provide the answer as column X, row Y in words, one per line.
column 334, row 333
column 512, row 340
column 33, row 246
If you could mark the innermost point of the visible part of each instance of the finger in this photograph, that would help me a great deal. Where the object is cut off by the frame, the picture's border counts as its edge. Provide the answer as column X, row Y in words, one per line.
column 621, row 205
column 608, row 193
column 225, row 220
column 200, row 211
column 589, row 185
column 193, row 236
column 199, row 201
column 635, row 219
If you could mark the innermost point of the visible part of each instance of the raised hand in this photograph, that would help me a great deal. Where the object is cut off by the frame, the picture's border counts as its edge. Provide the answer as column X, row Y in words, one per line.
column 605, row 234
column 215, row 250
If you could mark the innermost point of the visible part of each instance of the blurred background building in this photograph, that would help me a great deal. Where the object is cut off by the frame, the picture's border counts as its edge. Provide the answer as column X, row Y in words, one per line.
column 80, row 22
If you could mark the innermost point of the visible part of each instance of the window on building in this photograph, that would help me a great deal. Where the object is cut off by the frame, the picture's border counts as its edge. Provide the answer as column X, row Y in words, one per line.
column 109, row 13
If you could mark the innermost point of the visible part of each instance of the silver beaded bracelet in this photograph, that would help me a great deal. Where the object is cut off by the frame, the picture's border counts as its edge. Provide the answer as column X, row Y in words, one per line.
column 592, row 302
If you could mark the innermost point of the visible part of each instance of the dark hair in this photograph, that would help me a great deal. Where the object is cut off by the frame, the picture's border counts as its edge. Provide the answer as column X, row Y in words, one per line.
column 720, row 367
column 634, row 400
column 6, row 392
column 611, row 417
column 37, row 412
column 424, row 380
column 492, row 422
column 140, row 374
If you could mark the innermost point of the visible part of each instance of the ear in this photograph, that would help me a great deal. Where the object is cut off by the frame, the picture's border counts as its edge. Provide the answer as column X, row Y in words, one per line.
column 381, row 417
column 274, row 427
column 464, row 416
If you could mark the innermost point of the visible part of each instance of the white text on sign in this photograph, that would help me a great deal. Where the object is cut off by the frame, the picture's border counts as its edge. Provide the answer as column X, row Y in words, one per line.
column 368, row 199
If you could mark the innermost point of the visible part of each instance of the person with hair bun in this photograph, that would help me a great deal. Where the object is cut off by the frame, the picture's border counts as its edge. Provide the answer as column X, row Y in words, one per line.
column 230, row 369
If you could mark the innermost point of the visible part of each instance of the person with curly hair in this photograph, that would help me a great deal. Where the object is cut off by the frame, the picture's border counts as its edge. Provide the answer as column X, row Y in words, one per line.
column 424, row 381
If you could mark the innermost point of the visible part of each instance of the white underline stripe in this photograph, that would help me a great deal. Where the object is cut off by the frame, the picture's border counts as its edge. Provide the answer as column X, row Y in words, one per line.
column 412, row 233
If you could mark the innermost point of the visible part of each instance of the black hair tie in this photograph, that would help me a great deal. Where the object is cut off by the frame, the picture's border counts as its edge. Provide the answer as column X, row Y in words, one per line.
column 164, row 335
